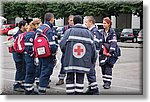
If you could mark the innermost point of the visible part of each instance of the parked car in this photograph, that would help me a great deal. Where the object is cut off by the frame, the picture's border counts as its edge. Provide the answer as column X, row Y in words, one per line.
column 13, row 31
column 140, row 37
column 5, row 28
column 128, row 34
column 99, row 26
column 118, row 32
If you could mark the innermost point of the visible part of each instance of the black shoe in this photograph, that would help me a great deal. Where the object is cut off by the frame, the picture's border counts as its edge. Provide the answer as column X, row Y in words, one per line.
column 92, row 92
column 106, row 86
column 79, row 93
column 31, row 93
column 88, row 92
column 18, row 87
column 60, row 82
column 34, row 93
column 95, row 91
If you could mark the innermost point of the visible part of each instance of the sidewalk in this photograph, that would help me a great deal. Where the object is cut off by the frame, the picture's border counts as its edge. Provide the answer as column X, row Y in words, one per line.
column 130, row 45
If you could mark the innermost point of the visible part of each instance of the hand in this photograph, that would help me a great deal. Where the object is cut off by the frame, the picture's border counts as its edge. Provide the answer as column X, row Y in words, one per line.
column 36, row 61
column 108, row 55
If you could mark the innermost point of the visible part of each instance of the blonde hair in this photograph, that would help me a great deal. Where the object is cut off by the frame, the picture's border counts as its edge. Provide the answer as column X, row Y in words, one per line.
column 90, row 18
column 30, row 26
column 71, row 16
column 36, row 21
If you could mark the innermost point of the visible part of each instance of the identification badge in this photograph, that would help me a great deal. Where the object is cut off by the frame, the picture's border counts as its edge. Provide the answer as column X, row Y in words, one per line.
column 41, row 50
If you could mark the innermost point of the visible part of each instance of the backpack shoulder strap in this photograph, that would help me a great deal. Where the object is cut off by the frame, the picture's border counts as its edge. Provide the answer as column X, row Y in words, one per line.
column 46, row 28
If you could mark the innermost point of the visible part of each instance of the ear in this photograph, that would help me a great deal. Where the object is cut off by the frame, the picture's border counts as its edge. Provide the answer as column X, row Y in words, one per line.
column 50, row 21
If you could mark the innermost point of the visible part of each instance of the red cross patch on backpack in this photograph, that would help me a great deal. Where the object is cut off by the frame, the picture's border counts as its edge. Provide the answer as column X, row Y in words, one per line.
column 19, row 45
column 41, row 45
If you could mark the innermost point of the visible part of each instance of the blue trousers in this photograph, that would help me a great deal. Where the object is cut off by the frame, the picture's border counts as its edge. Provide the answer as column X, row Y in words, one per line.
column 46, row 69
column 30, row 74
column 74, row 83
column 20, row 66
column 91, row 76
column 107, row 73
column 38, row 72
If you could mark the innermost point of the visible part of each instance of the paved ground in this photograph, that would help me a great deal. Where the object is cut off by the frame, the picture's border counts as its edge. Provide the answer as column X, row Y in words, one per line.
column 130, row 45
column 127, row 73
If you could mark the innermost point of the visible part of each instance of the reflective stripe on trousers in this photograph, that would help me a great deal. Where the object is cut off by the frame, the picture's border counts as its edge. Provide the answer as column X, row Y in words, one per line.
column 72, row 86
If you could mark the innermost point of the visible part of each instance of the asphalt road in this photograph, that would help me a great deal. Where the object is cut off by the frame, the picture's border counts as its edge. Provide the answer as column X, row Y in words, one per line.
column 127, row 73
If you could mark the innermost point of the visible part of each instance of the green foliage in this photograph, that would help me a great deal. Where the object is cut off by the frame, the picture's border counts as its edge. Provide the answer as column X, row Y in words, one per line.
column 60, row 10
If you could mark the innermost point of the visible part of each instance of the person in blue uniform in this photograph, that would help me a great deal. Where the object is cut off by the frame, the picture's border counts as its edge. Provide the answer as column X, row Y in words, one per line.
column 79, row 52
column 29, row 56
column 19, row 61
column 108, row 53
column 62, row 74
column 47, row 64
column 93, row 86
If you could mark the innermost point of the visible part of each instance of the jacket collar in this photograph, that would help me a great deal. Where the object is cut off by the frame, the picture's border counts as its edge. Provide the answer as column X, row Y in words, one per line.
column 79, row 26
column 110, row 31
column 92, row 27
column 20, row 31
column 47, row 22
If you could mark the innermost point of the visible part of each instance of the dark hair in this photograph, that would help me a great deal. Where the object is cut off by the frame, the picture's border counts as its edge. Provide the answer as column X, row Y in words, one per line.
column 22, row 23
column 77, row 19
column 48, row 16
column 16, row 25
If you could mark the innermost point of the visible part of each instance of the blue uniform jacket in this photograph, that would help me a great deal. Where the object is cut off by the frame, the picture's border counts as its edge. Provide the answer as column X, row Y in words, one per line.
column 97, row 37
column 78, row 49
column 111, row 41
column 50, row 33
column 29, row 41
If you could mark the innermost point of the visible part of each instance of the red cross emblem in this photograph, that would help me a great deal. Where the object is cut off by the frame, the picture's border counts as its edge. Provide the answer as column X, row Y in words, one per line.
column 79, row 50
column 31, row 40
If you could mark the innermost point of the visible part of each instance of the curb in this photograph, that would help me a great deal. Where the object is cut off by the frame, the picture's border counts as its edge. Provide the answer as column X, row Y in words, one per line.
column 131, row 46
